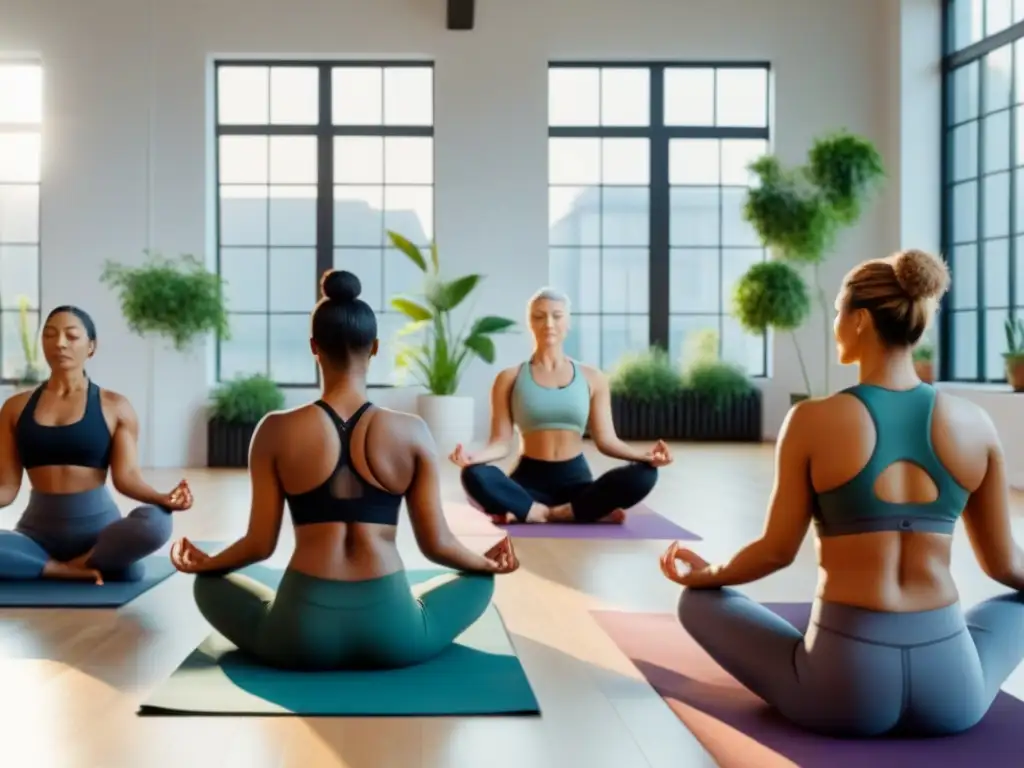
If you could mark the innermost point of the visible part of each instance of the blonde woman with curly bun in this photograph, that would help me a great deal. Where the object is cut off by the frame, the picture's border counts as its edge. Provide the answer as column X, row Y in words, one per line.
column 889, row 648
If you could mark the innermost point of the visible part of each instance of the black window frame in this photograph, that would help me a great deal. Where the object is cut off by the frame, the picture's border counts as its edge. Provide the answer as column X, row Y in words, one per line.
column 325, row 131
column 659, row 136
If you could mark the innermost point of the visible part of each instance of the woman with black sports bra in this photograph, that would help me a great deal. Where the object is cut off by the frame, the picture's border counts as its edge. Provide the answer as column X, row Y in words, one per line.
column 67, row 434
column 343, row 466
column 889, row 648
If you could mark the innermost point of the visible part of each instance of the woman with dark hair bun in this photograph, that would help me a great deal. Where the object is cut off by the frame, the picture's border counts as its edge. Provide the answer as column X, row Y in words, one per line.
column 343, row 466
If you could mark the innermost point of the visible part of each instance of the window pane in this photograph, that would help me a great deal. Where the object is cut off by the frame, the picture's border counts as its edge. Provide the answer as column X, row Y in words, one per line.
column 1019, row 261
column 622, row 334
column 693, row 161
column 401, row 276
column 625, row 97
column 689, row 96
column 965, row 151
column 741, row 97
column 583, row 341
column 410, row 212
column 10, row 342
column 998, row 15
column 995, row 343
column 574, row 161
column 1019, row 201
column 574, row 96
column 290, row 359
column 741, row 348
column 357, row 96
column 1018, row 10
column 408, row 96
column 244, row 272
column 968, row 16
column 243, row 95
column 737, row 155
column 735, row 263
column 693, row 280
column 293, row 160
column 965, row 92
column 22, row 89
column 243, row 215
column 19, row 157
column 245, row 353
column 1018, row 61
column 694, row 217
column 294, row 95
column 19, row 275
column 1018, row 138
column 408, row 160
column 574, row 216
column 625, row 280
column 625, row 216
column 965, row 212
column 368, row 265
column 997, row 205
column 997, row 141
column 997, row 272
column 243, row 159
column 293, row 216
column 964, row 287
column 577, row 272
column 19, row 213
column 358, row 160
column 625, row 161
column 359, row 216
column 293, row 279
column 965, row 345
column 998, row 72
column 382, row 367
column 682, row 330
column 736, row 230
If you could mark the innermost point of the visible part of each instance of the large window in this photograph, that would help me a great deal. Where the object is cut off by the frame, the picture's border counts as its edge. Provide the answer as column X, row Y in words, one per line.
column 983, row 184
column 647, row 180
column 21, row 117
column 316, row 161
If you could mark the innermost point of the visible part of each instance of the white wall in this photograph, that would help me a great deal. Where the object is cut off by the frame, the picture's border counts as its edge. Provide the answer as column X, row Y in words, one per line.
column 127, row 148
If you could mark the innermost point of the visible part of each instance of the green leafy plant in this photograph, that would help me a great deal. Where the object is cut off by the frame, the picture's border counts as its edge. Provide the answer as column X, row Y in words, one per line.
column 648, row 376
column 178, row 299
column 701, row 346
column 799, row 212
column 773, row 295
column 718, row 381
column 924, row 352
column 1014, row 340
column 439, row 357
column 246, row 400
column 29, row 343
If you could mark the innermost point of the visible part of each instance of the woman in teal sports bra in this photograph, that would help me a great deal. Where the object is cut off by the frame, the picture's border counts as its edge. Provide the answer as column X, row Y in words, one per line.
column 889, row 649
column 343, row 467
column 551, row 399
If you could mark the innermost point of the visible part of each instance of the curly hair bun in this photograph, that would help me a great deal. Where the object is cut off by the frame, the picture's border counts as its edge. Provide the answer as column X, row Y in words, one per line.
column 921, row 275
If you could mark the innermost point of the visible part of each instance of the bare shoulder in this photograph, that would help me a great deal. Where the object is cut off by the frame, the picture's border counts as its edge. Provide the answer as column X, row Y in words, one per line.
column 14, row 405
column 961, row 414
column 595, row 376
column 506, row 376
column 117, row 404
column 403, row 427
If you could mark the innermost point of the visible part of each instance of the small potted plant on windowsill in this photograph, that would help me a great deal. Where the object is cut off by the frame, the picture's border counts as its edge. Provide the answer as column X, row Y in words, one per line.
column 924, row 356
column 237, row 407
column 1014, row 355
column 31, row 375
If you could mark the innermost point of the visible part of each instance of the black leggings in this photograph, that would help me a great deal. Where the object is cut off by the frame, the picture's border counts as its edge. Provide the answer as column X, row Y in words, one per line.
column 558, row 482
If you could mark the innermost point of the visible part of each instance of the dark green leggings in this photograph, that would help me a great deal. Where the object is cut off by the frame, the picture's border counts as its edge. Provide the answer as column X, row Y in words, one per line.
column 323, row 624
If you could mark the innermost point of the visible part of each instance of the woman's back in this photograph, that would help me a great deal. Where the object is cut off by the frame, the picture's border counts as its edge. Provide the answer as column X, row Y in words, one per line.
column 856, row 466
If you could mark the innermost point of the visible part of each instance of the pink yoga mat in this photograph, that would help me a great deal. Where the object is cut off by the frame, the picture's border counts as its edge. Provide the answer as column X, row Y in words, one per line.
column 741, row 731
column 641, row 523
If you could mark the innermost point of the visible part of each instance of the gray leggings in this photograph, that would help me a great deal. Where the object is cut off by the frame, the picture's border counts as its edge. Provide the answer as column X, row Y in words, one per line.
column 63, row 526
column 863, row 673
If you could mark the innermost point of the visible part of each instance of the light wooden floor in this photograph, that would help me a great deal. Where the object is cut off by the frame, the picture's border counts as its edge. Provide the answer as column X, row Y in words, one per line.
column 71, row 681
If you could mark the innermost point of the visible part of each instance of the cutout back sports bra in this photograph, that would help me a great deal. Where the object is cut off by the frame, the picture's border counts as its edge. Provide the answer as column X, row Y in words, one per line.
column 535, row 408
column 344, row 497
column 903, row 429
column 85, row 443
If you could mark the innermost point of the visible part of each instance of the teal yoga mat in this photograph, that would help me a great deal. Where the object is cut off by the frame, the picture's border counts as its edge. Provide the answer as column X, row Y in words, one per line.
column 479, row 675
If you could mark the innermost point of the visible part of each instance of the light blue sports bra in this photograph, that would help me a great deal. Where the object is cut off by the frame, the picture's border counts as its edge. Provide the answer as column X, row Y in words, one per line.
column 536, row 408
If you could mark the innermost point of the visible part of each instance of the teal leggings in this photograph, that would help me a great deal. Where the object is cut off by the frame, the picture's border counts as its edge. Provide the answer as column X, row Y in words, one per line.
column 323, row 624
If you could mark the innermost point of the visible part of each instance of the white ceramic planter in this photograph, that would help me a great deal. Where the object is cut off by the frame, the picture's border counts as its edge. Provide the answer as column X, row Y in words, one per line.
column 450, row 419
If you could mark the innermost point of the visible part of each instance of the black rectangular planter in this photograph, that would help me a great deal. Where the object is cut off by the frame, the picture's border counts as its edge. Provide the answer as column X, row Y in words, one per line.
column 689, row 417
column 227, row 443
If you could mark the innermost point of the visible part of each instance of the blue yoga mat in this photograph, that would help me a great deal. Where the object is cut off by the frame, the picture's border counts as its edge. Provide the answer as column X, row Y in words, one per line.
column 478, row 675
column 53, row 593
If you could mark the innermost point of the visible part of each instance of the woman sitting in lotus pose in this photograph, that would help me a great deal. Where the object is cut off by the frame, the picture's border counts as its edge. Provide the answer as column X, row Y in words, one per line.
column 888, row 649
column 551, row 399
column 343, row 466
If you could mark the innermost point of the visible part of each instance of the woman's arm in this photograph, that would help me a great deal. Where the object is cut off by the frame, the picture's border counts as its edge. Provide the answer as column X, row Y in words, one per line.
column 500, row 442
column 11, row 470
column 789, row 513
column 267, row 510
column 124, row 460
column 602, row 428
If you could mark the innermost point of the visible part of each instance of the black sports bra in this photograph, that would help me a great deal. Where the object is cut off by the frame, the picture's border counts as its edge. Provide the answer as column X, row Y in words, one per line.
column 84, row 443
column 366, row 502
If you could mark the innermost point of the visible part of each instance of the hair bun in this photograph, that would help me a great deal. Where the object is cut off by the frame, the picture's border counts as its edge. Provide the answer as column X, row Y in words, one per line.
column 341, row 286
column 921, row 275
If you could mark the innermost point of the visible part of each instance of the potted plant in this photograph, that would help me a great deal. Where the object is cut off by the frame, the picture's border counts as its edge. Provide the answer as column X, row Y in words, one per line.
column 439, row 353
column 773, row 295
column 1014, row 355
column 924, row 357
column 725, row 403
column 236, row 409
column 32, row 373
column 646, row 391
column 799, row 212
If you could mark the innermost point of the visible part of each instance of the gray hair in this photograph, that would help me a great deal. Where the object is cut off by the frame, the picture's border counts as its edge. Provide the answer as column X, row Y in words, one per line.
column 548, row 293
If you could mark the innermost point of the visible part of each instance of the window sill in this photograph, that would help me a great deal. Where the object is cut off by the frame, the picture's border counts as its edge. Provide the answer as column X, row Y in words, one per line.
column 977, row 386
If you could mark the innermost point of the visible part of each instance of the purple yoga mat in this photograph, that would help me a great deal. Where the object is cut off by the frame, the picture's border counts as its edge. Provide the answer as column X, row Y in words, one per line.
column 740, row 730
column 641, row 523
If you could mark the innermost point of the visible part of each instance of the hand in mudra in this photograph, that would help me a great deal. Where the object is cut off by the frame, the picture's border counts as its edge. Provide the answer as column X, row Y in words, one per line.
column 459, row 457
column 502, row 557
column 659, row 455
column 179, row 499
column 187, row 557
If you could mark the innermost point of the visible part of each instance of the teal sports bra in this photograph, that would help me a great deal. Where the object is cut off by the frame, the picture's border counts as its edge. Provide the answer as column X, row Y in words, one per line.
column 903, row 427
column 536, row 408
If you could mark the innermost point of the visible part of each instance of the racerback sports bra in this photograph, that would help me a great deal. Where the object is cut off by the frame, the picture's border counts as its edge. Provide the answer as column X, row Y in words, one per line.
column 85, row 443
